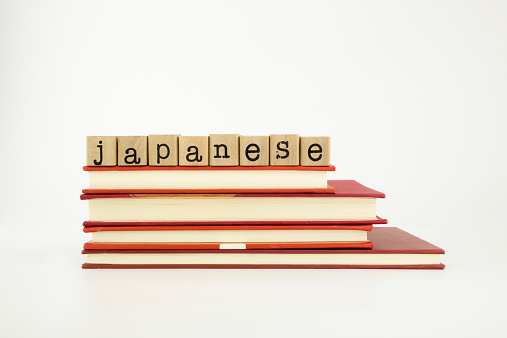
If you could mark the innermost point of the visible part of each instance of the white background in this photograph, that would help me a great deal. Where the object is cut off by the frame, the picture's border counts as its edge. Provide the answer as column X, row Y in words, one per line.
column 413, row 94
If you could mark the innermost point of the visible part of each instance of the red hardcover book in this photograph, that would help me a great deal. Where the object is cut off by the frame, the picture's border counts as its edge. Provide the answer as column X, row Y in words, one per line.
column 221, row 237
column 393, row 249
column 228, row 246
column 352, row 203
column 207, row 180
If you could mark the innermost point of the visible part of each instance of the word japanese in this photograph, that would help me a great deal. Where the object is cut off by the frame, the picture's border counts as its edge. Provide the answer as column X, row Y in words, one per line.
column 212, row 150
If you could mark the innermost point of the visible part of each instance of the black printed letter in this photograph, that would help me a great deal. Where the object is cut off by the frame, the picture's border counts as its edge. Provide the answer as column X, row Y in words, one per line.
column 286, row 143
column 318, row 151
column 134, row 160
column 99, row 162
column 217, row 147
column 196, row 158
column 255, row 151
column 159, row 157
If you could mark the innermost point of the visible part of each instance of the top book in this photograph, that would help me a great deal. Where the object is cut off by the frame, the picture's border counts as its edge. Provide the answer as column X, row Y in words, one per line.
column 213, row 150
column 148, row 179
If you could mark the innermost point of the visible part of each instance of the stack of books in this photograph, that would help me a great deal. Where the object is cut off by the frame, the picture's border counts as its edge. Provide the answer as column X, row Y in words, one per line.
column 239, row 217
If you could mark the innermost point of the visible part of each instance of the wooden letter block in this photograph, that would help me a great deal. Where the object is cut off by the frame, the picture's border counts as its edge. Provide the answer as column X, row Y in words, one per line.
column 284, row 150
column 163, row 150
column 132, row 150
column 101, row 151
column 193, row 151
column 254, row 150
column 224, row 150
column 315, row 151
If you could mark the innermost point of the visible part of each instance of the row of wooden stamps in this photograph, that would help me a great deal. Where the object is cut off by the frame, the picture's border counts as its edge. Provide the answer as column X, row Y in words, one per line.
column 212, row 150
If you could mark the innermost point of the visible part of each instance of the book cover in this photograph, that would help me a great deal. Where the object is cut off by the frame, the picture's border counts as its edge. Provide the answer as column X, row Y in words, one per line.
column 204, row 168
column 376, row 221
column 228, row 227
column 342, row 188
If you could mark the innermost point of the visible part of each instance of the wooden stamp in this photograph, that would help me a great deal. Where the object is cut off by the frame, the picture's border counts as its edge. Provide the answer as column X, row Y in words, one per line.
column 163, row 150
column 132, row 150
column 254, row 150
column 284, row 149
column 101, row 151
column 223, row 149
column 193, row 151
column 315, row 151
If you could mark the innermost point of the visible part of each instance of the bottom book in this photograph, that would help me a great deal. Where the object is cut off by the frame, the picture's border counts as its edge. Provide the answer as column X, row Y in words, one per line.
column 393, row 248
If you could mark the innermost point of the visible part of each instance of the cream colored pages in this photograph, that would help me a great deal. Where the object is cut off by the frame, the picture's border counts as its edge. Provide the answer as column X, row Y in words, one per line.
column 207, row 179
column 231, row 208
column 272, row 259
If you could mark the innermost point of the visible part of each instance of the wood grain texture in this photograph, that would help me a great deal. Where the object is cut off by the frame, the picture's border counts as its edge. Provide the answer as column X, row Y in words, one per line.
column 163, row 150
column 101, row 151
column 193, row 151
column 254, row 150
column 132, row 150
column 223, row 149
column 284, row 149
column 315, row 151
